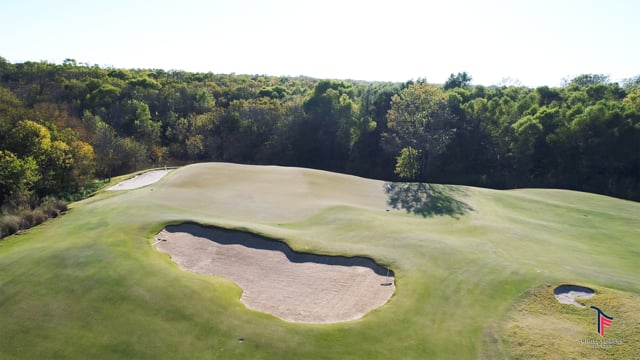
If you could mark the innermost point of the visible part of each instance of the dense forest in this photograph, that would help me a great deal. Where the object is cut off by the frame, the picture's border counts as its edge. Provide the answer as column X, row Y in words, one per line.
column 62, row 126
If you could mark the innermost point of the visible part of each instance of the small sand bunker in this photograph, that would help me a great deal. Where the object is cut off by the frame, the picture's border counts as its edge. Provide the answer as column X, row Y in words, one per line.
column 141, row 180
column 293, row 286
column 567, row 294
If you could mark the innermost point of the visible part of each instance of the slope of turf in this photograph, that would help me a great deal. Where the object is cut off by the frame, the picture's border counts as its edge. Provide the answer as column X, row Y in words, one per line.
column 89, row 285
column 541, row 328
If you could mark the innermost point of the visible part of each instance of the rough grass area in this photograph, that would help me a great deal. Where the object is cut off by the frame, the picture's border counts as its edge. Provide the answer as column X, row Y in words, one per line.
column 26, row 217
column 89, row 285
column 539, row 327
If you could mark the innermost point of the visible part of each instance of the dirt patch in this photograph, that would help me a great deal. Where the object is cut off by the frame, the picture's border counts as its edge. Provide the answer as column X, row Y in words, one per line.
column 568, row 294
column 296, row 287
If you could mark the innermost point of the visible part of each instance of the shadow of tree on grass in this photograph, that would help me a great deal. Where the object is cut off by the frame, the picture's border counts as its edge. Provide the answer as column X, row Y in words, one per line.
column 427, row 199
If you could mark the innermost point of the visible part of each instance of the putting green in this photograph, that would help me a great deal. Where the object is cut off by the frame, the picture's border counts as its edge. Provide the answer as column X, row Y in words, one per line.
column 88, row 284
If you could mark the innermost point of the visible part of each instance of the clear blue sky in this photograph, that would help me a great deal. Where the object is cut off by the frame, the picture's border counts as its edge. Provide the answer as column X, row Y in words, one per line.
column 537, row 42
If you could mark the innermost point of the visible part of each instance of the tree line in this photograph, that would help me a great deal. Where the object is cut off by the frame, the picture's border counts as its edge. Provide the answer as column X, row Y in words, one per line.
column 64, row 125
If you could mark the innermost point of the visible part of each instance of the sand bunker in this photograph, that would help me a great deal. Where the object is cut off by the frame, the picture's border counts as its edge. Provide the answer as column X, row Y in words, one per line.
column 293, row 286
column 567, row 294
column 141, row 180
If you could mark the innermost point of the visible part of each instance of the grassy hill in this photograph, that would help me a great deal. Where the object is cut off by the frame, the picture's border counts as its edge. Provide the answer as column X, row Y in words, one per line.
column 475, row 270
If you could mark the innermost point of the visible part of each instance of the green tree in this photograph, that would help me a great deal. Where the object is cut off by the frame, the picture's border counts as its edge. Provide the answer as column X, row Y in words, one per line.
column 632, row 100
column 331, row 127
column 420, row 118
column 547, row 95
column 582, row 136
column 527, row 131
column 589, row 79
column 104, row 96
column 408, row 164
column 84, row 163
column 194, row 147
column 632, row 83
column 10, row 112
column 56, row 169
column 457, row 81
column 133, row 155
column 28, row 138
column 146, row 129
column 17, row 176
column 105, row 146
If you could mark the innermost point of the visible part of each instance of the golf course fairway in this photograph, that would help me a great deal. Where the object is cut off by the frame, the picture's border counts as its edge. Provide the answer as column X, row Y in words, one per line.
column 475, row 271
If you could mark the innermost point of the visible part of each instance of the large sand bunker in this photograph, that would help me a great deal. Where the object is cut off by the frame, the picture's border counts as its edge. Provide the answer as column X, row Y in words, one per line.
column 568, row 294
column 293, row 286
column 141, row 180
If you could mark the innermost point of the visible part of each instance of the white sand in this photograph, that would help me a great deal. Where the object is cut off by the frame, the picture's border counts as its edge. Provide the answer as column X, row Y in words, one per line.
column 141, row 180
column 293, row 286
column 568, row 294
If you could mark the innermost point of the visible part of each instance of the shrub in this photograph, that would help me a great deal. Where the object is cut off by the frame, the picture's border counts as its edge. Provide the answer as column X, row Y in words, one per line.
column 27, row 218
column 9, row 224
column 52, row 207
column 23, row 217
column 39, row 216
column 61, row 205
column 50, row 210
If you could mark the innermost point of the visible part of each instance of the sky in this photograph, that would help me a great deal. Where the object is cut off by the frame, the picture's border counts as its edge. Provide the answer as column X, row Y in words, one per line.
column 534, row 43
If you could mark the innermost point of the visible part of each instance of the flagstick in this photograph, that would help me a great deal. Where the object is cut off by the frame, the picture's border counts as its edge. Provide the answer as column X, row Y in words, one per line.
column 387, row 282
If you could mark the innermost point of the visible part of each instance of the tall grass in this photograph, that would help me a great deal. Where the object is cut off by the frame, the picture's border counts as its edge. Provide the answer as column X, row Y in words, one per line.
column 24, row 217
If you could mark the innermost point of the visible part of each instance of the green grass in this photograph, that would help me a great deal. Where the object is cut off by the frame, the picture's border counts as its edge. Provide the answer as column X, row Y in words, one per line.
column 540, row 327
column 88, row 285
